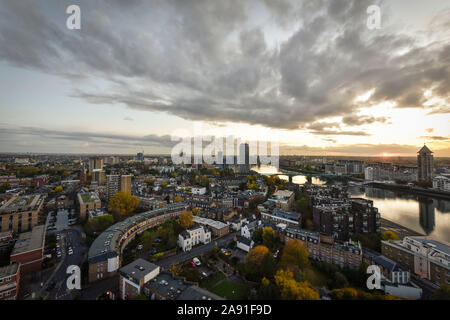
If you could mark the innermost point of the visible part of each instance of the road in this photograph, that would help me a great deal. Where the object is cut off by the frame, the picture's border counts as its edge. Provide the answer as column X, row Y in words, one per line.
column 166, row 263
column 398, row 229
column 70, row 237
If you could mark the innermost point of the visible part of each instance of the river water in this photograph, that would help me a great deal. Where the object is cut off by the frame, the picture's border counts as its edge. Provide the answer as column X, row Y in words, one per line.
column 428, row 216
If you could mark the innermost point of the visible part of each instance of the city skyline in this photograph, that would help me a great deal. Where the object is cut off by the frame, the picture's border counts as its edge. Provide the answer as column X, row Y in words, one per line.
column 311, row 76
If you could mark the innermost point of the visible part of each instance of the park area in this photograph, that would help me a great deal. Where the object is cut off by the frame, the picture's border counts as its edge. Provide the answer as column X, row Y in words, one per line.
column 231, row 290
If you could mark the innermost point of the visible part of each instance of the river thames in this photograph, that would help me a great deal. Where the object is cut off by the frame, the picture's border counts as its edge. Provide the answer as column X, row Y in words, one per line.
column 425, row 215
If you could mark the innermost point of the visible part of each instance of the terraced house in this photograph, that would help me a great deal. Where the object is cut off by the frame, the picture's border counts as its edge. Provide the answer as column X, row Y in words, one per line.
column 105, row 253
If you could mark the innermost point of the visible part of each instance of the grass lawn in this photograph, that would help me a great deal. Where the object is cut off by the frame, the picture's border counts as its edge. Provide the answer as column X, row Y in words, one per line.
column 211, row 281
column 231, row 290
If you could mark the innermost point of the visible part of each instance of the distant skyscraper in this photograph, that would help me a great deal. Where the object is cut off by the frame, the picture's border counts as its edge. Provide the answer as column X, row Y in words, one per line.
column 425, row 164
column 140, row 156
column 244, row 158
column 95, row 163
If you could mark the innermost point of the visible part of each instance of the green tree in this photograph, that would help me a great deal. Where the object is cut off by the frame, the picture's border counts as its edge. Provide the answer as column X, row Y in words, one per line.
column 269, row 237
column 443, row 293
column 98, row 224
column 5, row 187
column 257, row 235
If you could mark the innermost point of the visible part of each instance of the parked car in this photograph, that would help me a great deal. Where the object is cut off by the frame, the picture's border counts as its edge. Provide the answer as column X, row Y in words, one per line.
column 193, row 264
column 196, row 261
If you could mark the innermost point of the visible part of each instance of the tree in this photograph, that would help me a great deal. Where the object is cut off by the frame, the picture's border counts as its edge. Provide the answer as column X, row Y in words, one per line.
column 123, row 204
column 295, row 254
column 178, row 199
column 254, row 258
column 389, row 236
column 5, row 187
column 257, row 235
column 443, row 293
column 99, row 224
column 345, row 294
column 292, row 290
column 269, row 237
column 58, row 189
column 196, row 211
column 303, row 205
column 268, row 290
column 186, row 219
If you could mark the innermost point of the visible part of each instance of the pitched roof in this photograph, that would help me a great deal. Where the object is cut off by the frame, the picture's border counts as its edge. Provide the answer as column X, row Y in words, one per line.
column 425, row 150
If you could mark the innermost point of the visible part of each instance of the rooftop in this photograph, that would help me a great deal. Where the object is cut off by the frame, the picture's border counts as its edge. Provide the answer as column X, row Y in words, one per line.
column 30, row 241
column 209, row 222
column 388, row 264
column 105, row 245
column 425, row 149
column 177, row 288
column 138, row 269
column 9, row 270
column 283, row 193
column 22, row 203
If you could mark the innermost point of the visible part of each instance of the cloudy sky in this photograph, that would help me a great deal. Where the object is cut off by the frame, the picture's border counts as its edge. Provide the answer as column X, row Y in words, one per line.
column 309, row 74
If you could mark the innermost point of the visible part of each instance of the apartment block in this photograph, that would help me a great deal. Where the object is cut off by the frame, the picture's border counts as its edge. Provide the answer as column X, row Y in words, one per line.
column 428, row 259
column 9, row 281
column 133, row 276
column 88, row 201
column 29, row 250
column 20, row 213
column 325, row 248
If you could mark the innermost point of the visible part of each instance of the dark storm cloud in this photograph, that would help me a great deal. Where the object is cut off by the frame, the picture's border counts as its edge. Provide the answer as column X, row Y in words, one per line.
column 355, row 120
column 83, row 136
column 200, row 60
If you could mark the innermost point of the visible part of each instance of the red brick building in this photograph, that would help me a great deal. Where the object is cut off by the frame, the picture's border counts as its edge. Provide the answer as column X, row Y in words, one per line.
column 29, row 250
column 9, row 281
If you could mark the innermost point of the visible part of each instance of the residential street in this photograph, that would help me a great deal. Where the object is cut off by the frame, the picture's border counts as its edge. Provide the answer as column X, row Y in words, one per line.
column 166, row 263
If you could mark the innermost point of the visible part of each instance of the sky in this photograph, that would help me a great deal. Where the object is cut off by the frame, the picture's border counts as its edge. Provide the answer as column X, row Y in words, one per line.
column 308, row 74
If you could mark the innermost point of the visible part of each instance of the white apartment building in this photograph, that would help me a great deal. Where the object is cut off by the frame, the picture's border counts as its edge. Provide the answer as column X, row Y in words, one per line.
column 369, row 174
column 193, row 236
column 198, row 190
column 441, row 183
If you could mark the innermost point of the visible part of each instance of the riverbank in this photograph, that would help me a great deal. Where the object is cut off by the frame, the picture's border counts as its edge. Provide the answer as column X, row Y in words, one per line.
column 412, row 190
column 400, row 230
